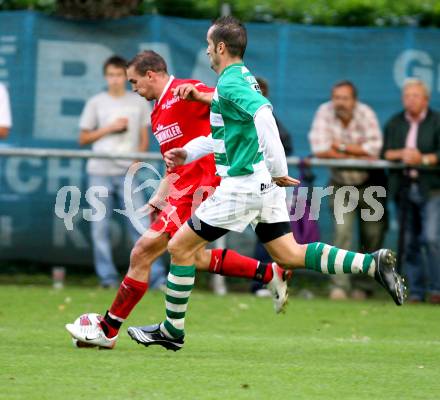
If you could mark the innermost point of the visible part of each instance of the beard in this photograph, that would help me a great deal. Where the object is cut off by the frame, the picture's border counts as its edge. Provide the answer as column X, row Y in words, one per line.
column 343, row 113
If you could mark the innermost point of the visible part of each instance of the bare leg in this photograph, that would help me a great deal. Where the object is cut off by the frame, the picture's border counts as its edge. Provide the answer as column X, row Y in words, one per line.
column 203, row 259
column 286, row 252
column 144, row 252
column 184, row 245
column 147, row 248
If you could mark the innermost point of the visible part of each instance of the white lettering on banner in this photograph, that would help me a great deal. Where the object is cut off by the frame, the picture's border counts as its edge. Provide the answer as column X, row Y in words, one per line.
column 54, row 173
column 161, row 48
column 62, row 169
column 62, row 236
column 167, row 133
column 16, row 182
column 78, row 240
column 61, row 93
column 8, row 49
column 414, row 63
column 54, row 85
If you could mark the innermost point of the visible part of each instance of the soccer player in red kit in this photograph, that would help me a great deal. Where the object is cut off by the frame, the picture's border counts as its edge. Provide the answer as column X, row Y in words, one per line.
column 175, row 122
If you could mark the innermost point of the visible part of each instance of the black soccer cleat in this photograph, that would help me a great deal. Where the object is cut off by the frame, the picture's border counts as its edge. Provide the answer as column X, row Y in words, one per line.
column 387, row 276
column 152, row 335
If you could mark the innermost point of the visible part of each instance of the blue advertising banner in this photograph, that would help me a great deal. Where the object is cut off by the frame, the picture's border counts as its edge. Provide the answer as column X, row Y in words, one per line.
column 51, row 66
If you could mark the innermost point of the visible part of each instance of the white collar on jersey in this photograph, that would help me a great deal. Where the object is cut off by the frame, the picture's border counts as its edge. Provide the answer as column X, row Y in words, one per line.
column 167, row 86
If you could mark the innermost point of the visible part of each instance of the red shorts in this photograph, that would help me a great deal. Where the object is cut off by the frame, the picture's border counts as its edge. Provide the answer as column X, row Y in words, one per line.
column 176, row 213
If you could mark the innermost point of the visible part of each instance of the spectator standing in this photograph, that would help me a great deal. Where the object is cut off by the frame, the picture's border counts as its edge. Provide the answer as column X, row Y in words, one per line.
column 345, row 128
column 413, row 137
column 115, row 121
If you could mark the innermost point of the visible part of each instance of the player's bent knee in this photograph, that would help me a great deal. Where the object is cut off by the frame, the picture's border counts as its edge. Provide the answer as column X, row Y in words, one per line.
column 142, row 254
column 178, row 249
column 175, row 247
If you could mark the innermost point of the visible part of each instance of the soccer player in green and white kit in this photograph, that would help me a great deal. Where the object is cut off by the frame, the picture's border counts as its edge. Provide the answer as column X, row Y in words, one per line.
column 250, row 159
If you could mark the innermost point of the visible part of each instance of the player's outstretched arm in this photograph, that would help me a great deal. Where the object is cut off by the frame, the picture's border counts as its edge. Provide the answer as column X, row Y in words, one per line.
column 286, row 181
column 188, row 91
column 193, row 150
column 175, row 157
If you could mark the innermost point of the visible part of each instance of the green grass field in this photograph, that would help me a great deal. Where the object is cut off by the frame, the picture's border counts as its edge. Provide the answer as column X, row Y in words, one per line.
column 236, row 348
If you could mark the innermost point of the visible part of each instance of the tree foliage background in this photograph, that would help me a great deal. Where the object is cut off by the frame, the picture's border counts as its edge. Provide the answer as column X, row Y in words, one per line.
column 422, row 13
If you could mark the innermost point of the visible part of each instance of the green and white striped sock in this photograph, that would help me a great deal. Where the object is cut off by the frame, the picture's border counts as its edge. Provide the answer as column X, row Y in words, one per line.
column 327, row 259
column 179, row 285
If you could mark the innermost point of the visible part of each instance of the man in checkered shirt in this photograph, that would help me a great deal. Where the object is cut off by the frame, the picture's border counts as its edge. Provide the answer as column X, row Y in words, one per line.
column 345, row 128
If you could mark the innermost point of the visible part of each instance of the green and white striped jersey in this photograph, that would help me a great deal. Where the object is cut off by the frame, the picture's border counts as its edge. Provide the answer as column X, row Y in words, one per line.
column 237, row 98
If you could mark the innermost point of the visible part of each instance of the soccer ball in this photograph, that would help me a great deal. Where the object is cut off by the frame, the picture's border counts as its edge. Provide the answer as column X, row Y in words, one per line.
column 88, row 319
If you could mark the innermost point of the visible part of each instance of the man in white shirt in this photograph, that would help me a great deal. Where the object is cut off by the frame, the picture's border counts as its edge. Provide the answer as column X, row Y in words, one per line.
column 345, row 128
column 5, row 112
column 114, row 121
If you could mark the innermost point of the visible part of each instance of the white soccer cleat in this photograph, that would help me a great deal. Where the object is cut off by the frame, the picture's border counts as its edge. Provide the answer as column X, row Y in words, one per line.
column 90, row 334
column 278, row 287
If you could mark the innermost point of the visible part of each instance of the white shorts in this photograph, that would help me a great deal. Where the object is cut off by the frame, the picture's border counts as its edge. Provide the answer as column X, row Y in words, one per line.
column 244, row 200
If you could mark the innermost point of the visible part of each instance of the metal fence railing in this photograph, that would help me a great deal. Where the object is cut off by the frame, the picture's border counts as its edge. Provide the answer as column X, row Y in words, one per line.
column 155, row 156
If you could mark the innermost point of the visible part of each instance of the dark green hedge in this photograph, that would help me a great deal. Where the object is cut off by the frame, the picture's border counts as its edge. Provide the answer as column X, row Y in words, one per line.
column 314, row 12
column 41, row 5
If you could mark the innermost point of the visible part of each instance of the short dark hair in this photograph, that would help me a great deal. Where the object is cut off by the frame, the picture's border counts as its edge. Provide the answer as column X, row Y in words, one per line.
column 232, row 33
column 115, row 61
column 148, row 60
column 346, row 83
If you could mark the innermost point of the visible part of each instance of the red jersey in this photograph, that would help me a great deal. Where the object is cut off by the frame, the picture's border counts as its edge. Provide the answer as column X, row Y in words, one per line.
column 175, row 122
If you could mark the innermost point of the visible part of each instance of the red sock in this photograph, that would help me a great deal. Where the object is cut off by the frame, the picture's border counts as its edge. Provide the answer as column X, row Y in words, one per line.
column 230, row 263
column 129, row 293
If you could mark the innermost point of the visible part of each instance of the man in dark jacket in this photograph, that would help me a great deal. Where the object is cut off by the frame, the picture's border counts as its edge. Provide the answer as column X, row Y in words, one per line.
column 413, row 137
